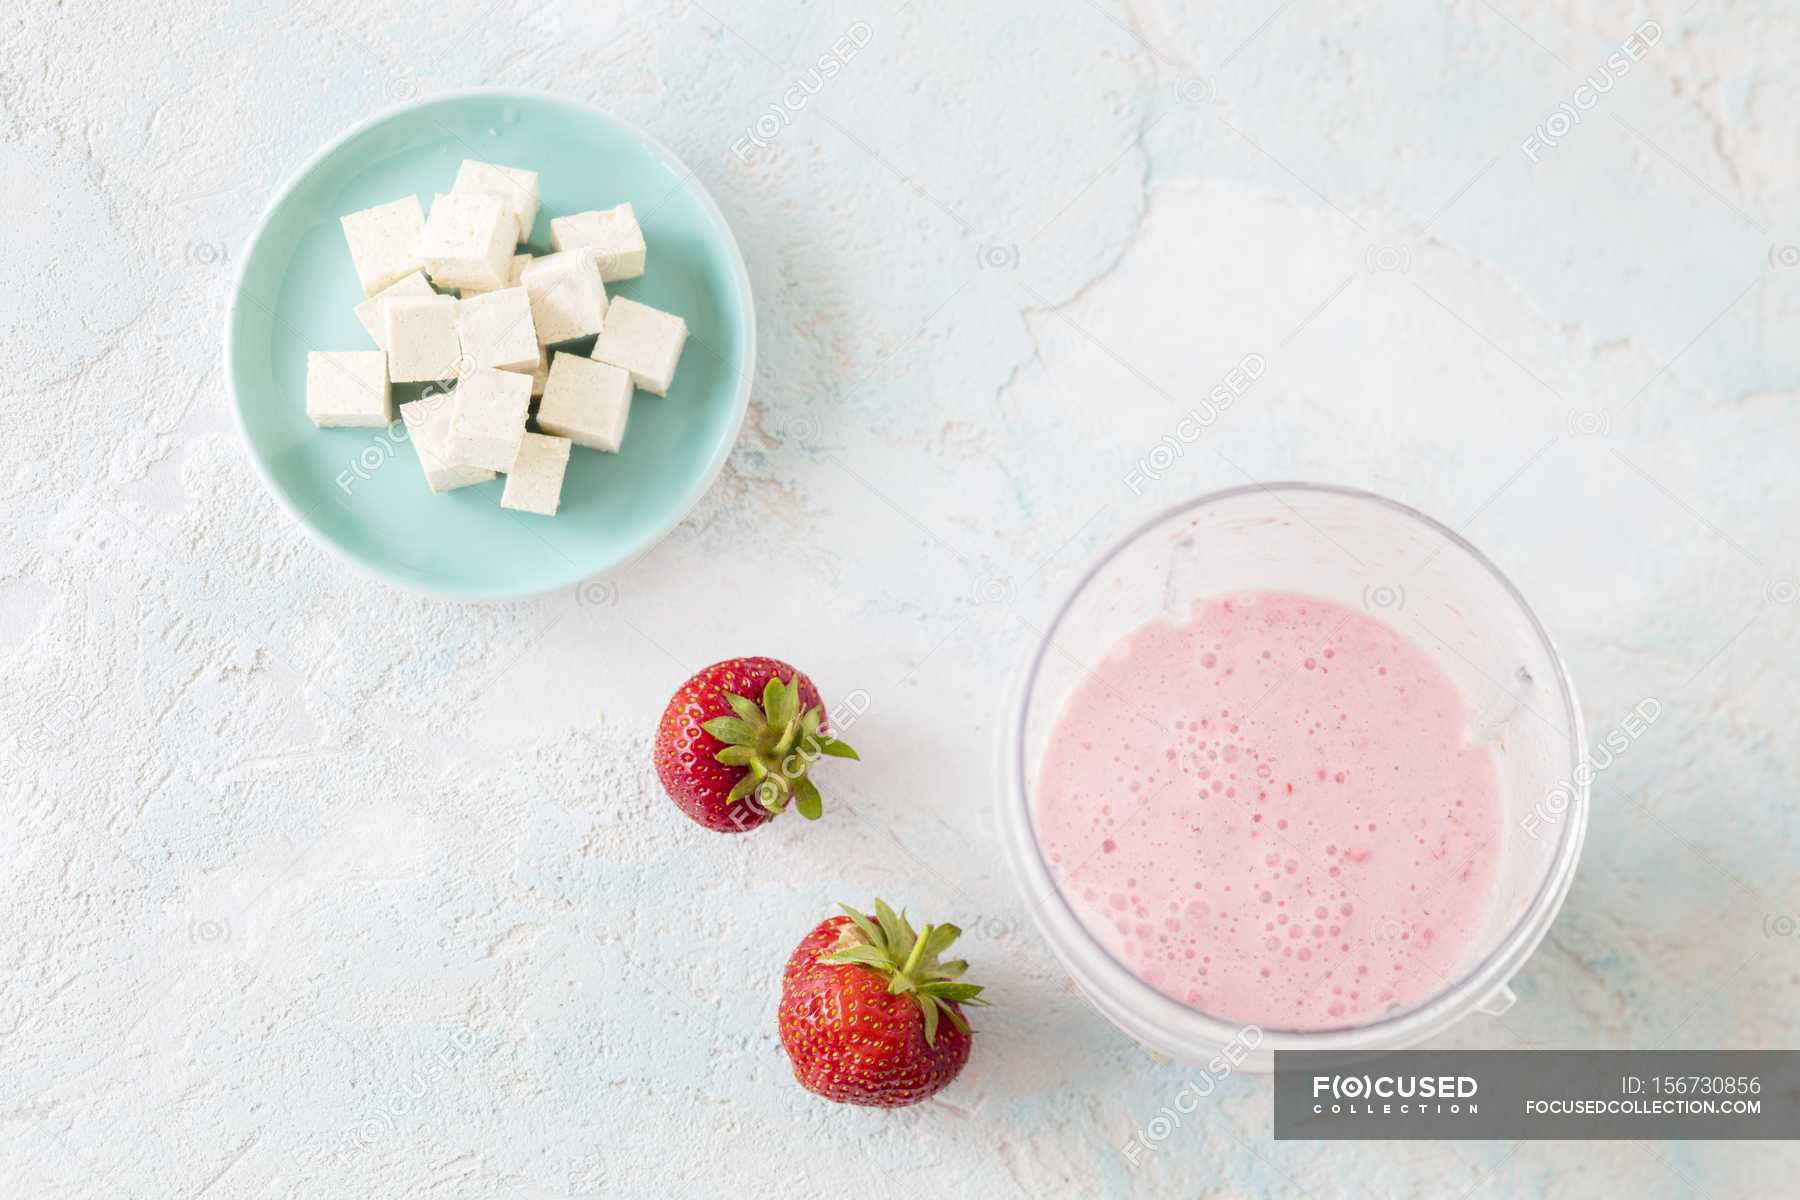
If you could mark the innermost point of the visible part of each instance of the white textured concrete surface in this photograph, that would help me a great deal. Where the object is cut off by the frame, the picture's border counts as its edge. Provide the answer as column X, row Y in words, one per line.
column 316, row 889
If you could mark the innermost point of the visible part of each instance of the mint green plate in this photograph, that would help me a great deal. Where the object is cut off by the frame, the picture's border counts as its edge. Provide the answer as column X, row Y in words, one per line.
column 360, row 491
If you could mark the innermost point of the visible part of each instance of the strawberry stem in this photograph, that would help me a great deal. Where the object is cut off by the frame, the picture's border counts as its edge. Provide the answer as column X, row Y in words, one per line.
column 918, row 952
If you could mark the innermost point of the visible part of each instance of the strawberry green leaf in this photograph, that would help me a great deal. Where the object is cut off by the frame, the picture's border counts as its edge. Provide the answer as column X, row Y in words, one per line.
column 962, row 993
column 745, row 709
column 771, row 795
column 898, row 933
column 941, row 939
column 837, row 749
column 735, row 756
column 740, row 789
column 930, row 1011
column 868, row 927
column 731, row 730
column 867, row 956
column 807, row 798
column 773, row 697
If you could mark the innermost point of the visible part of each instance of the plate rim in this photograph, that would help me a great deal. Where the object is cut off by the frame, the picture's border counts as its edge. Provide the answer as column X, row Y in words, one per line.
column 642, row 546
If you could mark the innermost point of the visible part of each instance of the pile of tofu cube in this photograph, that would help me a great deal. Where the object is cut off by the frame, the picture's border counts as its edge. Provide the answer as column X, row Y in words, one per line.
column 492, row 348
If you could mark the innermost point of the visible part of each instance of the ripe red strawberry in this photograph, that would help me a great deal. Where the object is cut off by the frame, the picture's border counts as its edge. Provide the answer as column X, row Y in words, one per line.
column 731, row 765
column 860, row 1006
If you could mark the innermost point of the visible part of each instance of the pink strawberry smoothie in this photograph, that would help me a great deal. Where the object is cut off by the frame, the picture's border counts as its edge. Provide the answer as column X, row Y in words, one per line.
column 1272, row 814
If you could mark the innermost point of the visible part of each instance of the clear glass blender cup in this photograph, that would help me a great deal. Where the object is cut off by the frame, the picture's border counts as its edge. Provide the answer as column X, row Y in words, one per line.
column 1362, row 551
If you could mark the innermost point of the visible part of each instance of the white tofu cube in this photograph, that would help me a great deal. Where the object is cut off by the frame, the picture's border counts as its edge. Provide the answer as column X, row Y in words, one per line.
column 540, row 372
column 373, row 311
column 496, row 331
column 534, row 484
column 421, row 337
column 568, row 299
column 468, row 241
column 587, row 402
column 428, row 426
column 348, row 387
column 488, row 418
column 612, row 234
column 512, row 277
column 385, row 242
column 643, row 340
column 516, row 187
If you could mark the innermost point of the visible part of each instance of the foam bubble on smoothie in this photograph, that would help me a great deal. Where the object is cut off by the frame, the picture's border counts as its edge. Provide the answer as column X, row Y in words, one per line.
column 1270, row 812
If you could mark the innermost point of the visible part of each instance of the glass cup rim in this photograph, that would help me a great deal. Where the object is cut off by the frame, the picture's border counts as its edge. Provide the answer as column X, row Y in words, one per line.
column 1447, row 1004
